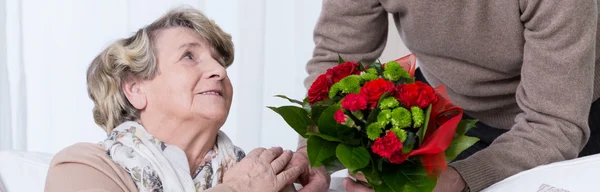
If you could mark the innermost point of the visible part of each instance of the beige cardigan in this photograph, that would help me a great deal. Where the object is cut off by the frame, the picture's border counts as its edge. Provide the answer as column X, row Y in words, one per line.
column 87, row 167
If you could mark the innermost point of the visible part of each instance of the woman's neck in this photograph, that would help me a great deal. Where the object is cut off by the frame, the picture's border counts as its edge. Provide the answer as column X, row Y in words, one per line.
column 194, row 138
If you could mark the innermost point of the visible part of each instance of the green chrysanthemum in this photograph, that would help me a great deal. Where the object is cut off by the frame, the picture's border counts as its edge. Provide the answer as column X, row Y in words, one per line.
column 335, row 88
column 372, row 71
column 374, row 130
column 401, row 117
column 401, row 133
column 388, row 103
column 394, row 72
column 384, row 117
column 349, row 84
column 368, row 76
column 418, row 116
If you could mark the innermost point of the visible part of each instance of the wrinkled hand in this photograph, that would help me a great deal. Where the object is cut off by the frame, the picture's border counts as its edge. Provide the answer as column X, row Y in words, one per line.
column 262, row 170
column 450, row 181
column 352, row 186
column 312, row 179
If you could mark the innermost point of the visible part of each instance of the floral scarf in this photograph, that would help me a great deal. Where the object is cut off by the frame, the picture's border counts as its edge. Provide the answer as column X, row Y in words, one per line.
column 157, row 166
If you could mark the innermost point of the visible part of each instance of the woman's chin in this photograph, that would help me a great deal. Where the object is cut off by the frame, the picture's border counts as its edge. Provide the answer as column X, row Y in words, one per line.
column 216, row 116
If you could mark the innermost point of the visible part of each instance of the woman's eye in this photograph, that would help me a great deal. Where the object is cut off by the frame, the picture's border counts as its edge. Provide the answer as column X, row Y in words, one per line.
column 188, row 56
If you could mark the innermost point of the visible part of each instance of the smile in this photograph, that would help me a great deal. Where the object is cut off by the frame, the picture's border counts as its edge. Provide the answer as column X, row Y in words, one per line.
column 211, row 93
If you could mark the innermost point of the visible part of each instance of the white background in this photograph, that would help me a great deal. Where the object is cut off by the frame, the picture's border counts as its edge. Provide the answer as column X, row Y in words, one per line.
column 46, row 47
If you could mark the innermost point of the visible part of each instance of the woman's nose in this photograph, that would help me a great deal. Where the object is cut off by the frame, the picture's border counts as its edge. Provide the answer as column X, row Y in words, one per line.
column 217, row 71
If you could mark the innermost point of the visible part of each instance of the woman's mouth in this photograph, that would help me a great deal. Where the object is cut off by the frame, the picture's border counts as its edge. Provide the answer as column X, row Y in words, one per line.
column 212, row 92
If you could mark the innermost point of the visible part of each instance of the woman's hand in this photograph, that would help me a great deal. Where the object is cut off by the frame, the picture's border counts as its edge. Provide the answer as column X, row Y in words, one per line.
column 314, row 179
column 262, row 170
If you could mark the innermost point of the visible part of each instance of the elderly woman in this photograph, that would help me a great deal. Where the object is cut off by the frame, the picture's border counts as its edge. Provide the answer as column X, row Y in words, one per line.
column 162, row 95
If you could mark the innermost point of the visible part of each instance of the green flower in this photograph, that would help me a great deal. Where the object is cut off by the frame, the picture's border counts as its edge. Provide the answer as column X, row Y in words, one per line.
column 394, row 72
column 401, row 133
column 388, row 103
column 384, row 117
column 374, row 130
column 372, row 71
column 401, row 117
column 418, row 116
column 334, row 90
column 349, row 84
column 368, row 76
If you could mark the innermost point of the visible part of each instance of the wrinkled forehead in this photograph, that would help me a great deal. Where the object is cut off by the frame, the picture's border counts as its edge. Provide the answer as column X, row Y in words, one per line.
column 178, row 38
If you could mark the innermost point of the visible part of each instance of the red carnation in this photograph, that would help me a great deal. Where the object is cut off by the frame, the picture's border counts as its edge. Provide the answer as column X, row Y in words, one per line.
column 354, row 102
column 416, row 94
column 387, row 145
column 373, row 90
column 339, row 116
column 343, row 70
column 319, row 90
column 398, row 157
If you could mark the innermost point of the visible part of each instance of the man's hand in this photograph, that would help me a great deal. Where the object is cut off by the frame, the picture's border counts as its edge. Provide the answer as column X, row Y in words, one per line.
column 352, row 186
column 450, row 181
column 313, row 179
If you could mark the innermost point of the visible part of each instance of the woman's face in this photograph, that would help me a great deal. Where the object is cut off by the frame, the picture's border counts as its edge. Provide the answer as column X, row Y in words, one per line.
column 190, row 85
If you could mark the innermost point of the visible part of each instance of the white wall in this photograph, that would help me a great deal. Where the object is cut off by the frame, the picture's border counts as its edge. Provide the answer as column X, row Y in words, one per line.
column 49, row 45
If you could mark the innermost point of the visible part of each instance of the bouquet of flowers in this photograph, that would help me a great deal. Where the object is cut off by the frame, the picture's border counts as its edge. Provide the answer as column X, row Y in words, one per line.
column 375, row 119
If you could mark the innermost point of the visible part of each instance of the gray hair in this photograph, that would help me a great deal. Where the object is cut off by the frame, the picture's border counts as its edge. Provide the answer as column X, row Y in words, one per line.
column 134, row 58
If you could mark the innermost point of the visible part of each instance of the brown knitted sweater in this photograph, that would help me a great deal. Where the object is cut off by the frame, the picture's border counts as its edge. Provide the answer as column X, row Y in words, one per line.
column 524, row 65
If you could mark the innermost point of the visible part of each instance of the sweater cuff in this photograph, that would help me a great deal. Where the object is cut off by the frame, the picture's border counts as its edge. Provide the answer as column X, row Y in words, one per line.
column 476, row 173
column 301, row 142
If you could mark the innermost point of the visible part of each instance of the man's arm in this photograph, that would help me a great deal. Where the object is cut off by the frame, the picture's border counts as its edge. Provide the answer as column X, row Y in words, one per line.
column 354, row 29
column 555, row 93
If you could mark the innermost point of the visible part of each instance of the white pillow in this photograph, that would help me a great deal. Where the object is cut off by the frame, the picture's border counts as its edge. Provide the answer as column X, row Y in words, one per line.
column 579, row 174
column 23, row 171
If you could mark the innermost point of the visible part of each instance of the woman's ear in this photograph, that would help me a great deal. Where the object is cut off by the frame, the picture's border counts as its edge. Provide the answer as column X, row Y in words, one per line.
column 134, row 93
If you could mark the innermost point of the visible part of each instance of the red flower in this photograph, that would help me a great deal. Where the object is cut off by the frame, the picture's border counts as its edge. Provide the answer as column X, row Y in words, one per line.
column 387, row 145
column 373, row 90
column 416, row 94
column 354, row 102
column 339, row 116
column 398, row 157
column 343, row 70
column 319, row 90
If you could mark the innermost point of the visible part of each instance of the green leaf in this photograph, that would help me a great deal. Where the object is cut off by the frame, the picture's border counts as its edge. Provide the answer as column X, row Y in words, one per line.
column 325, row 137
column 328, row 125
column 371, row 174
column 353, row 157
column 407, row 178
column 376, row 66
column 379, row 164
column 294, row 116
column 340, row 60
column 361, row 66
column 458, row 145
column 320, row 150
column 291, row 100
column 333, row 165
column 373, row 116
column 421, row 133
column 409, row 143
column 464, row 126
column 316, row 112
